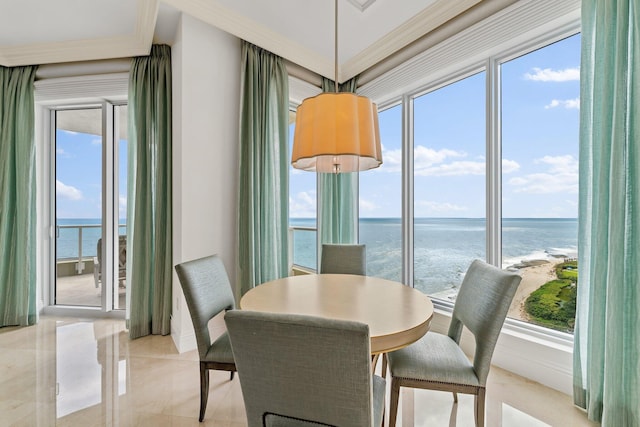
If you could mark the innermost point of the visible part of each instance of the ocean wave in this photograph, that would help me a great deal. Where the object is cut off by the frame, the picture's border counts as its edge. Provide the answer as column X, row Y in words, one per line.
column 552, row 254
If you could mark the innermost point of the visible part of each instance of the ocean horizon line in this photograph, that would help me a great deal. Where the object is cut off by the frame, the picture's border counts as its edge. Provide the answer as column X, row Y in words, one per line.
column 449, row 217
column 373, row 218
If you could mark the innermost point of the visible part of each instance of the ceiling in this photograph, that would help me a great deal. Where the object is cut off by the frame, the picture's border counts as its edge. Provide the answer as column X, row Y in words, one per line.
column 45, row 31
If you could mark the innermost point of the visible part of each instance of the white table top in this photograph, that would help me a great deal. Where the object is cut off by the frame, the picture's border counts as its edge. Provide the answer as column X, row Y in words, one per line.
column 397, row 315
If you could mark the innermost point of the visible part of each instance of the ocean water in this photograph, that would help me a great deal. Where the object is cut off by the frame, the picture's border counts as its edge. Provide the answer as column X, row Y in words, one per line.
column 444, row 247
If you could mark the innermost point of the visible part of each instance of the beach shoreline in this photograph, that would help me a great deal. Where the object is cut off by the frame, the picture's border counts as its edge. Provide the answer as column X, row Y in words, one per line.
column 533, row 276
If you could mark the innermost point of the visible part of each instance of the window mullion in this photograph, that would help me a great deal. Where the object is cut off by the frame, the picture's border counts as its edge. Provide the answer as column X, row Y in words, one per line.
column 109, row 275
column 407, row 190
column 493, row 165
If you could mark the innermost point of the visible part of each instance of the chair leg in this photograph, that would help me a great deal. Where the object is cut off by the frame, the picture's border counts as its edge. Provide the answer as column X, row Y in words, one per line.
column 393, row 405
column 231, row 376
column 384, row 365
column 455, row 397
column 479, row 408
column 204, row 390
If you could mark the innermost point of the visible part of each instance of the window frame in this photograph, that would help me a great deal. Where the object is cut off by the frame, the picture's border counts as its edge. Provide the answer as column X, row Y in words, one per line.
column 53, row 94
column 491, row 66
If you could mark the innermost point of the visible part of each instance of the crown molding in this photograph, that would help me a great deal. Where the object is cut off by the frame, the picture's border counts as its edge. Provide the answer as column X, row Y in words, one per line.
column 146, row 18
column 526, row 21
column 429, row 19
column 137, row 44
column 242, row 27
column 213, row 13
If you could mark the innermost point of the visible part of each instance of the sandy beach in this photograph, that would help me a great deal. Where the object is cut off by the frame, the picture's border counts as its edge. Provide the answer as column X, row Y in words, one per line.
column 532, row 278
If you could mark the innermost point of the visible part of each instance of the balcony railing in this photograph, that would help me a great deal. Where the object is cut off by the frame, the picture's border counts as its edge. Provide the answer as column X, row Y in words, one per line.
column 78, row 243
column 303, row 248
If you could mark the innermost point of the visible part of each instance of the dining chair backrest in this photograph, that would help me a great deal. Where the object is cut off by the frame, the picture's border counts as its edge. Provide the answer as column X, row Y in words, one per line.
column 207, row 292
column 343, row 259
column 481, row 306
column 297, row 369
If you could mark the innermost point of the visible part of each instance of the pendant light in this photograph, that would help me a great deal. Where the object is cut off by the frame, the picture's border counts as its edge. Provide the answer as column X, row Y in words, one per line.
column 336, row 132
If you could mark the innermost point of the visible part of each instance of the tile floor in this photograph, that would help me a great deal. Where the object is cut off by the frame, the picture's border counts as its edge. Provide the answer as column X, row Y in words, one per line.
column 80, row 290
column 82, row 372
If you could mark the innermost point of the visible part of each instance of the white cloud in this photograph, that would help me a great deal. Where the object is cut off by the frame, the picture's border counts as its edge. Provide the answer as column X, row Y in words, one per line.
column 509, row 166
column 70, row 132
column 424, row 157
column 367, row 206
column 453, row 169
column 549, row 75
column 569, row 104
column 432, row 208
column 60, row 151
column 465, row 167
column 303, row 205
column 122, row 205
column 67, row 191
column 391, row 160
column 430, row 162
column 96, row 141
column 561, row 176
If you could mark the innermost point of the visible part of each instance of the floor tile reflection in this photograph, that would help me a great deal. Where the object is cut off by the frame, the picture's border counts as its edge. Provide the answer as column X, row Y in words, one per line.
column 78, row 372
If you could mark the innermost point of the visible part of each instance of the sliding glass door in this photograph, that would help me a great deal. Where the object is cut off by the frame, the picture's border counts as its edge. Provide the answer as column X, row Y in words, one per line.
column 90, row 173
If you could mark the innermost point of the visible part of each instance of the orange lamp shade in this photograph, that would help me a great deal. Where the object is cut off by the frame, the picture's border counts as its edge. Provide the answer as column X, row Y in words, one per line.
column 336, row 132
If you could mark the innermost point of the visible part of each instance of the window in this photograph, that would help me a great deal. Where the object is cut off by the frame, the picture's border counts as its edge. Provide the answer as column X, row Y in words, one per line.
column 480, row 160
column 449, row 184
column 380, row 204
column 454, row 219
column 540, row 126
column 302, row 211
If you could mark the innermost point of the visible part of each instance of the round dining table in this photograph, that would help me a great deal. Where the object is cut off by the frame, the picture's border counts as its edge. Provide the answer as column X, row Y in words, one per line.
column 397, row 315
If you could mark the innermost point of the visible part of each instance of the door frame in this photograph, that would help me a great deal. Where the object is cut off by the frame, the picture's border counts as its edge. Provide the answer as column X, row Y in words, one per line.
column 109, row 211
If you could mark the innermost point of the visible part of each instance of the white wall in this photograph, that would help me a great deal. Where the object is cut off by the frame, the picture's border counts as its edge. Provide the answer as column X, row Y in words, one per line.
column 206, row 96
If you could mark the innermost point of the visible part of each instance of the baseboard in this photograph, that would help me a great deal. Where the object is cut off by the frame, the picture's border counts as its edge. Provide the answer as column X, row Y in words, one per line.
column 184, row 342
column 546, row 362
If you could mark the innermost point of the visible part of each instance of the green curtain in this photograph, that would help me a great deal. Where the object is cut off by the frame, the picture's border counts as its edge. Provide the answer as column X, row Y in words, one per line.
column 149, row 215
column 17, row 197
column 607, row 332
column 337, row 195
column 263, row 207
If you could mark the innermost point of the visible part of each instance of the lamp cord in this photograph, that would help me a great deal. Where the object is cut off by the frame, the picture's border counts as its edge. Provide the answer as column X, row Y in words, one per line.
column 335, row 82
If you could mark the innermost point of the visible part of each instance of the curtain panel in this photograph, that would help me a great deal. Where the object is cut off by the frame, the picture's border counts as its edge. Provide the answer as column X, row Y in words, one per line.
column 263, row 206
column 337, row 195
column 17, row 197
column 149, row 198
column 607, row 332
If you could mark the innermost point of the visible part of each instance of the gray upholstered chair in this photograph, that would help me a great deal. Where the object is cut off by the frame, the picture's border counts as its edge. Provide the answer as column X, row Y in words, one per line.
column 208, row 292
column 300, row 370
column 343, row 259
column 436, row 361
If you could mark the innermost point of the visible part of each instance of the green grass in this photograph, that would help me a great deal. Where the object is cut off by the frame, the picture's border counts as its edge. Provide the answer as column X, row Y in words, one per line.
column 568, row 270
column 554, row 304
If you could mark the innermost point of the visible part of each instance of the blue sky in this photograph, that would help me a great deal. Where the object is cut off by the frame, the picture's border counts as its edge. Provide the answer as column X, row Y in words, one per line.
column 78, row 175
column 540, row 119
